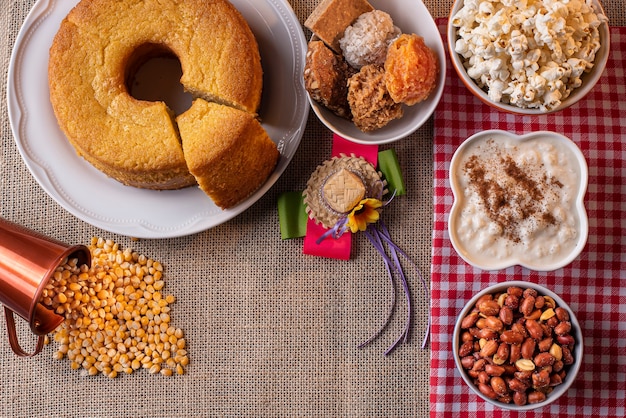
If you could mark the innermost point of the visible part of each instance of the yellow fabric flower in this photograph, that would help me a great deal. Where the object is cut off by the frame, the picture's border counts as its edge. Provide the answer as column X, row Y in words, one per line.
column 364, row 213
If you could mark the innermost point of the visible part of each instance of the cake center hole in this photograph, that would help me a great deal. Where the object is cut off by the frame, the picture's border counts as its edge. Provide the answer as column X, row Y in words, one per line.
column 157, row 78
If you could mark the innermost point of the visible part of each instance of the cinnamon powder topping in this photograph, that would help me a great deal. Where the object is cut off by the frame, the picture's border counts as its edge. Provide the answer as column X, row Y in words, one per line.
column 512, row 192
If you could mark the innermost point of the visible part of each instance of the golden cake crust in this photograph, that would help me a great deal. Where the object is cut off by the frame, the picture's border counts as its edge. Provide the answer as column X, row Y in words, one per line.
column 91, row 58
column 227, row 150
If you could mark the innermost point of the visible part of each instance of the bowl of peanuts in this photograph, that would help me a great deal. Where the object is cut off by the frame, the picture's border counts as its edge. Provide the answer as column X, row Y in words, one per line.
column 517, row 345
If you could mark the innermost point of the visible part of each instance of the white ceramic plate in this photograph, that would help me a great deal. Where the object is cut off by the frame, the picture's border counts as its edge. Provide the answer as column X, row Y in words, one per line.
column 90, row 195
column 475, row 240
column 411, row 16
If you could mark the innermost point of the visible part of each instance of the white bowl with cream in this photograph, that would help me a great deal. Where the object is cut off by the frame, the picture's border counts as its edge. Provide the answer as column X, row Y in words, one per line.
column 518, row 200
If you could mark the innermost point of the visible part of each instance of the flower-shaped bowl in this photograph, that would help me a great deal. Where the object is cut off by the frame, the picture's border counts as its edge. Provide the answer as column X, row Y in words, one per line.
column 518, row 200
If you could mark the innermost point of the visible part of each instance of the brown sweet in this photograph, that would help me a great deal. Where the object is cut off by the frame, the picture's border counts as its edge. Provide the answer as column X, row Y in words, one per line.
column 411, row 69
column 325, row 78
column 370, row 103
column 330, row 19
column 136, row 142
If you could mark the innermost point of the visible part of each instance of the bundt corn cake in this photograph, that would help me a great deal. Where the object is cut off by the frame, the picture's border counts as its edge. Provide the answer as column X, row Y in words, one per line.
column 226, row 149
column 93, row 57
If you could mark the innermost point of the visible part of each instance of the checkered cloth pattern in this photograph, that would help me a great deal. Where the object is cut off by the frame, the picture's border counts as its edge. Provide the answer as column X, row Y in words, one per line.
column 594, row 285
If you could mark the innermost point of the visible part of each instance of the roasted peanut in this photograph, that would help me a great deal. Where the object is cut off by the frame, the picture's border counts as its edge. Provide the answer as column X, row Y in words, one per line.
column 534, row 329
column 519, row 327
column 512, row 301
column 469, row 320
column 556, row 351
column 547, row 314
column 479, row 364
column 539, row 302
column 487, row 334
column 561, row 314
column 494, row 370
column 528, row 348
column 489, row 307
column 544, row 359
column 467, row 362
column 489, row 349
column 511, row 337
column 502, row 354
column 555, row 379
column 527, row 305
column 523, row 375
column 515, row 291
column 536, row 397
column 552, row 322
column 557, row 366
column 524, row 364
column 515, row 353
column 541, row 379
column 498, row 386
column 506, row 315
column 568, row 358
column 484, row 298
column 486, row 390
column 483, row 377
column 481, row 323
column 505, row 398
column 517, row 385
column 563, row 328
column 565, row 340
column 545, row 344
column 466, row 348
column 494, row 323
column 520, row 398
column 536, row 314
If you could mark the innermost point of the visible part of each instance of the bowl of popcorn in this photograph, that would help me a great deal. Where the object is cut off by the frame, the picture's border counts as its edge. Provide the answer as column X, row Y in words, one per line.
column 375, row 70
column 517, row 345
column 528, row 58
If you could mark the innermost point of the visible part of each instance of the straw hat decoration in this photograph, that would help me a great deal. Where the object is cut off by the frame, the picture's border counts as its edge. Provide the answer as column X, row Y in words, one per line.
column 345, row 194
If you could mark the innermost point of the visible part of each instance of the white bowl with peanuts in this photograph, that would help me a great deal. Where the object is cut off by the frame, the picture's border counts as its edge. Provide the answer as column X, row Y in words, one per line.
column 517, row 345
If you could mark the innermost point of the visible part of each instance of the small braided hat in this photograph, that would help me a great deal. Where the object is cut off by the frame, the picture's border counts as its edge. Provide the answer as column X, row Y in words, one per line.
column 338, row 185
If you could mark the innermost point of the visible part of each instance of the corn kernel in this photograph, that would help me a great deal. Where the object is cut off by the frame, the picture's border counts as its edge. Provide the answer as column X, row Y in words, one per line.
column 117, row 320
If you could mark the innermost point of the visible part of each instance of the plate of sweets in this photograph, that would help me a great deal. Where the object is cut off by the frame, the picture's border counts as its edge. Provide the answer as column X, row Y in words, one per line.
column 375, row 70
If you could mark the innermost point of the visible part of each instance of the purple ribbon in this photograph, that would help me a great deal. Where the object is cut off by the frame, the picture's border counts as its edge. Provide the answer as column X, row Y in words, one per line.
column 379, row 237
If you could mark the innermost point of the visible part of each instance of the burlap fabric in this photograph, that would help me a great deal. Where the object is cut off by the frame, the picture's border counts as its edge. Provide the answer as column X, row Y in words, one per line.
column 270, row 331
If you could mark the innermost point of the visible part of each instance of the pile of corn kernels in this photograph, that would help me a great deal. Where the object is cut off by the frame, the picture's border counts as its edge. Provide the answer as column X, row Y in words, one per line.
column 117, row 319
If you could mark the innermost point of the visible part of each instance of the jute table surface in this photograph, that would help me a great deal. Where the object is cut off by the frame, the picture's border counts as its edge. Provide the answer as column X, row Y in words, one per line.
column 270, row 331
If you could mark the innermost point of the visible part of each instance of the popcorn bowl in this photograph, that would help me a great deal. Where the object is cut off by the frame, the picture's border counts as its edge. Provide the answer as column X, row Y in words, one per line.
column 410, row 17
column 567, row 375
column 588, row 79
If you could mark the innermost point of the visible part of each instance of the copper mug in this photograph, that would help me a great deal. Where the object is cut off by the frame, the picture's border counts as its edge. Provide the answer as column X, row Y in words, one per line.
column 27, row 262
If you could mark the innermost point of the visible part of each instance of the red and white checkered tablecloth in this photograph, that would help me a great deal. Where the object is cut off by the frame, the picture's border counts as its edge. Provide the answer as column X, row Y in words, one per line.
column 594, row 285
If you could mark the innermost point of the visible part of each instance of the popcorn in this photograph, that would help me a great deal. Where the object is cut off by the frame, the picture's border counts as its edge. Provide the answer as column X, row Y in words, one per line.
column 528, row 53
